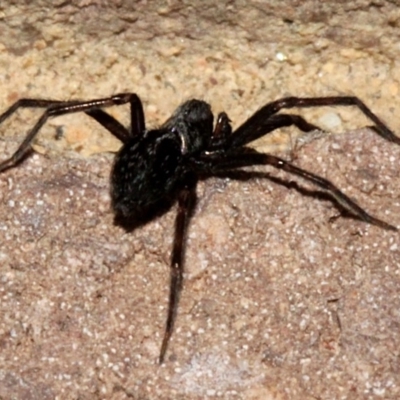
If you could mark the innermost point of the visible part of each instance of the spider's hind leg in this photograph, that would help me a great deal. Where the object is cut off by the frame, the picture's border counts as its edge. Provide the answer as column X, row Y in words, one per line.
column 27, row 103
column 186, row 205
column 90, row 107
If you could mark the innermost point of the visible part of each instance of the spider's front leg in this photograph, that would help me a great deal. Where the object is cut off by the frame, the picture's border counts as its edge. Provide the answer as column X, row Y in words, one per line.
column 186, row 205
column 266, row 118
column 91, row 107
column 223, row 139
column 216, row 163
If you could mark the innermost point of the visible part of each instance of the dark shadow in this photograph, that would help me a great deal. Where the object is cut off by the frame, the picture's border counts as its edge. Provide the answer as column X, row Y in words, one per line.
column 244, row 176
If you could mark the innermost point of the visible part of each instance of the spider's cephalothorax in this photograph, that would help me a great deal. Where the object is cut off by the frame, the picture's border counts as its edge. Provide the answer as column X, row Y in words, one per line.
column 151, row 166
column 157, row 167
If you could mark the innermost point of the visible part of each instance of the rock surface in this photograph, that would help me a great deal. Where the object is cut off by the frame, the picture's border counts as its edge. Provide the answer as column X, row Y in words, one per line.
column 283, row 298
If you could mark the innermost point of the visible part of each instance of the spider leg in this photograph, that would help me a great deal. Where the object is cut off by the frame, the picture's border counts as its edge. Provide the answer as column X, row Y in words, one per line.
column 263, row 127
column 28, row 103
column 99, row 115
column 253, row 128
column 186, row 204
column 213, row 163
column 90, row 107
column 111, row 124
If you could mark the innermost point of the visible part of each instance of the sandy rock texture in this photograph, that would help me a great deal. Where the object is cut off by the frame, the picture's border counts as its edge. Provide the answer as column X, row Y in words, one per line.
column 284, row 298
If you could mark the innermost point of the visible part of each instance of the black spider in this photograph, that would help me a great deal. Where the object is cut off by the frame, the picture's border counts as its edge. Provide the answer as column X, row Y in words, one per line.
column 156, row 167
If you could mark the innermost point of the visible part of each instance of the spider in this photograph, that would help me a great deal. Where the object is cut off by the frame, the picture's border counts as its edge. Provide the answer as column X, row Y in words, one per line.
column 158, row 167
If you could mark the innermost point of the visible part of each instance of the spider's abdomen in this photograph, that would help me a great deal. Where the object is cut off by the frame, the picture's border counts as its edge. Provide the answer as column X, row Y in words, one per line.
column 145, row 174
